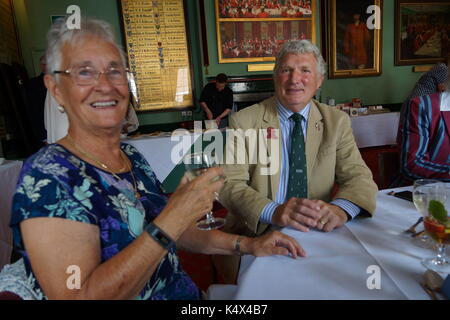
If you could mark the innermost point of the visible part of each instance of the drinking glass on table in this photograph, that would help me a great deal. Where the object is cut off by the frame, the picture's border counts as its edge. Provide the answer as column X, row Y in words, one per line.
column 437, row 224
column 196, row 164
column 420, row 199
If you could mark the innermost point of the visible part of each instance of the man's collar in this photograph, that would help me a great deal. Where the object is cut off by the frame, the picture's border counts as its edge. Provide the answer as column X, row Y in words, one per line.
column 285, row 113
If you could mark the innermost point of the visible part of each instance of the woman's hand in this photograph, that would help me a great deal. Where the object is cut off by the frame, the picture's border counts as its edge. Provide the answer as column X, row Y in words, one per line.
column 193, row 199
column 272, row 243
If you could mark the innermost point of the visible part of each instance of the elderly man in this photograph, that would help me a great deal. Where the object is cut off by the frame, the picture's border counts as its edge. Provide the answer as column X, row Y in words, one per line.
column 316, row 150
column 424, row 136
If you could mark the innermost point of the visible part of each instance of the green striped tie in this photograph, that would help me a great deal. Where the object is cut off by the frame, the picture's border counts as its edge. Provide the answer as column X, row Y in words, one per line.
column 297, row 184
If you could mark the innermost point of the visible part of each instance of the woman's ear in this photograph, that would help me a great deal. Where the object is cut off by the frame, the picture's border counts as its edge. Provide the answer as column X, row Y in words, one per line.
column 53, row 87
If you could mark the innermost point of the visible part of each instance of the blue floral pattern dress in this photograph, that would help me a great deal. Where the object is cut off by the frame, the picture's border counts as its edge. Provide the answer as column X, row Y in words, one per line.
column 55, row 183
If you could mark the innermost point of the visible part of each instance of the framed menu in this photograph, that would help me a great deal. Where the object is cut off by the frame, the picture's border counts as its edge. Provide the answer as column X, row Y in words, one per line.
column 158, row 55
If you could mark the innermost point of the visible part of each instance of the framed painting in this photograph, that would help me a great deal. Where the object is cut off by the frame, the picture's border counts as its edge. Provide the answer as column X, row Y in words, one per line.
column 255, row 30
column 268, row 9
column 354, row 38
column 422, row 31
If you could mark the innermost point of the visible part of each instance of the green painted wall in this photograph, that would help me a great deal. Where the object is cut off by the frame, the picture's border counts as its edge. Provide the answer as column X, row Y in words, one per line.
column 392, row 86
column 33, row 21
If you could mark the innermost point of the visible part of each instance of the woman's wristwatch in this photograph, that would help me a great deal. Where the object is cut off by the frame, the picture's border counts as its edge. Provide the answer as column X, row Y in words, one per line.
column 159, row 236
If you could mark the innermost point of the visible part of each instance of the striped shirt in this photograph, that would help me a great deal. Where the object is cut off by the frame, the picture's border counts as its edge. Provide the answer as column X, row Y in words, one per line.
column 424, row 138
column 286, row 127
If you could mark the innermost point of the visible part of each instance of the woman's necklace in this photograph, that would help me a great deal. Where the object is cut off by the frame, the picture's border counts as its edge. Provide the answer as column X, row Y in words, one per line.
column 104, row 166
column 136, row 192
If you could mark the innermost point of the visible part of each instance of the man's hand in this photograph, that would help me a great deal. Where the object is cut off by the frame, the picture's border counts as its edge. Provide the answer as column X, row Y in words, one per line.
column 298, row 213
column 218, row 120
column 208, row 112
column 332, row 217
column 302, row 214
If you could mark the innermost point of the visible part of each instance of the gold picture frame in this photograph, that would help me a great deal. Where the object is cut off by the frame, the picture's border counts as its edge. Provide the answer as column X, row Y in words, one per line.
column 354, row 38
column 255, row 32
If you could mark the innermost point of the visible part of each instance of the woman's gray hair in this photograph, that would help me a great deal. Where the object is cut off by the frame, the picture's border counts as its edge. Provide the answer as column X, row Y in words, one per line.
column 301, row 47
column 60, row 35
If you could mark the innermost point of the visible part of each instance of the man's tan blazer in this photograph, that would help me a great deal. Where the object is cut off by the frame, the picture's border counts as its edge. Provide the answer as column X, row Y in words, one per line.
column 331, row 156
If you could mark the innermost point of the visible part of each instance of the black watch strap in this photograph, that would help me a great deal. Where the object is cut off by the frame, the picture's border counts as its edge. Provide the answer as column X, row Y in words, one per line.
column 159, row 236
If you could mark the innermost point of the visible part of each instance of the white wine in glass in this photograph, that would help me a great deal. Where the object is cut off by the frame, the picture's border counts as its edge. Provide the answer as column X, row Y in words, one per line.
column 420, row 199
column 196, row 164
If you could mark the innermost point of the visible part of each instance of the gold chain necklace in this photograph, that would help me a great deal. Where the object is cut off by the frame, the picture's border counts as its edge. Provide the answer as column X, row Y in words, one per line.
column 104, row 166
column 135, row 189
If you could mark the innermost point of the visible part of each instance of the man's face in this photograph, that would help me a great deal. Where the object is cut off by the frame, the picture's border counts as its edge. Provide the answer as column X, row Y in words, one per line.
column 220, row 86
column 297, row 80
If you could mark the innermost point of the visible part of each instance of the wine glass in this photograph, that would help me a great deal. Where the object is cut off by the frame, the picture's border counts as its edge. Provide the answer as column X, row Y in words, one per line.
column 196, row 164
column 421, row 202
column 437, row 224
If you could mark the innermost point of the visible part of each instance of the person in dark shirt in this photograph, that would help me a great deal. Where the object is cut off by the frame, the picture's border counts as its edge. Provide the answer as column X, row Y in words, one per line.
column 217, row 100
column 36, row 92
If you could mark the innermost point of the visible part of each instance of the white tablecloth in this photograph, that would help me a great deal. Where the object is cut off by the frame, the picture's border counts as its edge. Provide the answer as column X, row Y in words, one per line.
column 375, row 129
column 9, row 172
column 336, row 263
column 163, row 153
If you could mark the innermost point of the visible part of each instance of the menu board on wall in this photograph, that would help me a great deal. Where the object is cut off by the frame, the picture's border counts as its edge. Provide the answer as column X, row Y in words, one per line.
column 158, row 56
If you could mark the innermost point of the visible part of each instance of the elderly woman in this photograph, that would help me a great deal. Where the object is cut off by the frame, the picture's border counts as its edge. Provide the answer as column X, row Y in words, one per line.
column 91, row 206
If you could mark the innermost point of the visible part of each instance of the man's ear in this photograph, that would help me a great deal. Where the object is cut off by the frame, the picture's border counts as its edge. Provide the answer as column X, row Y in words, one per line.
column 319, row 83
column 52, row 86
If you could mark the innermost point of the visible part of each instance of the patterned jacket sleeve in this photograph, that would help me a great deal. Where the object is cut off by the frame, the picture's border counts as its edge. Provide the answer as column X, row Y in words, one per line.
column 424, row 140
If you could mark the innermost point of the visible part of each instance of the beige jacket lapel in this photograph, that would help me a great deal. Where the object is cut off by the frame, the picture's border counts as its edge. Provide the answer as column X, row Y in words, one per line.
column 313, row 137
column 270, row 120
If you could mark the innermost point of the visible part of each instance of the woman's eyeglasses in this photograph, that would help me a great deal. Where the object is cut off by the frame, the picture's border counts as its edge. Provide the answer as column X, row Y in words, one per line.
column 87, row 76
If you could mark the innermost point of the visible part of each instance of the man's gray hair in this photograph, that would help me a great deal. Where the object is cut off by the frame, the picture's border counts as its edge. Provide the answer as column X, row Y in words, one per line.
column 301, row 47
column 60, row 35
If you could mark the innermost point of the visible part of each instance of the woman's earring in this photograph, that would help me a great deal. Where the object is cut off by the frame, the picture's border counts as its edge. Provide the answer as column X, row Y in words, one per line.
column 61, row 109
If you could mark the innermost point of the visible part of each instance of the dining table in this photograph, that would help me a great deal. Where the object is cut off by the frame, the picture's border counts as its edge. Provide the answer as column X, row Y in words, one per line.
column 165, row 150
column 369, row 258
column 373, row 130
column 9, row 173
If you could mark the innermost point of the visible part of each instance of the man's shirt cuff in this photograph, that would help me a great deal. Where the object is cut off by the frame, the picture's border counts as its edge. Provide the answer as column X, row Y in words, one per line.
column 267, row 212
column 349, row 207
